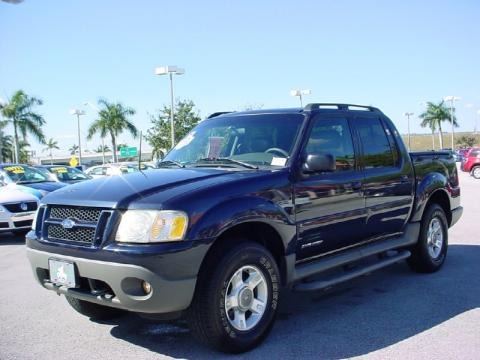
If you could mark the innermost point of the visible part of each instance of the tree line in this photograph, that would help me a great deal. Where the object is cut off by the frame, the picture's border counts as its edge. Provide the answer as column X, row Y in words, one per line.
column 112, row 119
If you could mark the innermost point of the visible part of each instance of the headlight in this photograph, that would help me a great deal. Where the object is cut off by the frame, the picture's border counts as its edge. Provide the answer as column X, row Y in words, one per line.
column 147, row 226
column 2, row 209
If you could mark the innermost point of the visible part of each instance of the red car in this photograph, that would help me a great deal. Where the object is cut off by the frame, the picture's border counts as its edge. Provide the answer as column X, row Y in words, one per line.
column 471, row 162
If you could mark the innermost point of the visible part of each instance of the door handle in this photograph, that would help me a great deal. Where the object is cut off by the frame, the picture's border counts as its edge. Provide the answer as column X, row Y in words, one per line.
column 404, row 179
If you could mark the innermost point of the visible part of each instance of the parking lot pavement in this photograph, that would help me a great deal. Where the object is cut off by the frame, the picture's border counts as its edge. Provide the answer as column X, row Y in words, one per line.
column 393, row 313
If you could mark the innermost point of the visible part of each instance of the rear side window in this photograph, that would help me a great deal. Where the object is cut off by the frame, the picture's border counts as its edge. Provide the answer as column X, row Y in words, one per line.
column 377, row 151
column 332, row 136
column 474, row 153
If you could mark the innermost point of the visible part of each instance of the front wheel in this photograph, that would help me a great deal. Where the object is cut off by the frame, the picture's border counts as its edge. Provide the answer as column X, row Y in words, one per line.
column 429, row 254
column 476, row 172
column 235, row 302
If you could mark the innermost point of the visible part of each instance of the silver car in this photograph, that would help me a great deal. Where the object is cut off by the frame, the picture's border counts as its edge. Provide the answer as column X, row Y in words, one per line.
column 17, row 209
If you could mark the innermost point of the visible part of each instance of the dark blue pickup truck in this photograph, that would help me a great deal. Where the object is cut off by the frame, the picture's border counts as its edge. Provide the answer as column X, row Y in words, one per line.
column 247, row 203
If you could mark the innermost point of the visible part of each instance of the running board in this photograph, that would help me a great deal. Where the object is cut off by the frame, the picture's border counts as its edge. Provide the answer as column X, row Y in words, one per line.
column 323, row 284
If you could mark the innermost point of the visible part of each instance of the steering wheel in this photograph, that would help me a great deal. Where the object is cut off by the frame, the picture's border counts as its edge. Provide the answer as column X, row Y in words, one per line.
column 278, row 150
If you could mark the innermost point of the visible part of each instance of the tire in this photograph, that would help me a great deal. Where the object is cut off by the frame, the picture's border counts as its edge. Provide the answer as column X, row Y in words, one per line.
column 236, row 280
column 429, row 254
column 476, row 172
column 94, row 311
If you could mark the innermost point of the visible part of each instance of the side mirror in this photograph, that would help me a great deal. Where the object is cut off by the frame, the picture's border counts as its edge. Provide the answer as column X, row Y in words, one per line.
column 319, row 163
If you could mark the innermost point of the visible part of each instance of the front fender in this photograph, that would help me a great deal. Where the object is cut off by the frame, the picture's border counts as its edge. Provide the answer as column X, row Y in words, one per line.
column 235, row 211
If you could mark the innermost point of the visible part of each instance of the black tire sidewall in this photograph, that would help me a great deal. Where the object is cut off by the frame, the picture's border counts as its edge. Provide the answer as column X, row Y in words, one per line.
column 473, row 172
column 248, row 254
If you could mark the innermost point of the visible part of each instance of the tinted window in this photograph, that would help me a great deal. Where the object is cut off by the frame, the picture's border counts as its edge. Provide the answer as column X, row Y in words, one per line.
column 376, row 147
column 332, row 136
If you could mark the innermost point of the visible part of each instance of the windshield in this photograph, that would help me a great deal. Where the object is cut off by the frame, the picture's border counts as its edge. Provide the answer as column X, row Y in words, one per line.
column 22, row 174
column 261, row 139
column 65, row 173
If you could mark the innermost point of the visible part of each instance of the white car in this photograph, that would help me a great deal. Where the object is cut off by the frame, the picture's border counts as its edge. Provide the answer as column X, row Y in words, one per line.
column 110, row 170
column 17, row 209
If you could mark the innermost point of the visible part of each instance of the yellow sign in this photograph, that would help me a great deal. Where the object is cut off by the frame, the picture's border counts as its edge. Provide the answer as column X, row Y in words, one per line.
column 73, row 161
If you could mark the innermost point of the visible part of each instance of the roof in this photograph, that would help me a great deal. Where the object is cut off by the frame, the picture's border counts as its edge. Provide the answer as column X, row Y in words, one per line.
column 327, row 107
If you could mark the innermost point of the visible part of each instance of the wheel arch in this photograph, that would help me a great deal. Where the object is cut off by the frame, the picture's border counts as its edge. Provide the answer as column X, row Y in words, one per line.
column 256, row 231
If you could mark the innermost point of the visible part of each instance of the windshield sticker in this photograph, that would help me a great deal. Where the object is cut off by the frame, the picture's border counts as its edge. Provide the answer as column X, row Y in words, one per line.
column 185, row 141
column 15, row 169
column 276, row 161
column 214, row 146
column 61, row 170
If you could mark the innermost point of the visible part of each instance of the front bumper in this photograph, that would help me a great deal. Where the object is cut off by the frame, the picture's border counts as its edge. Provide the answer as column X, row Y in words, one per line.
column 16, row 221
column 123, row 283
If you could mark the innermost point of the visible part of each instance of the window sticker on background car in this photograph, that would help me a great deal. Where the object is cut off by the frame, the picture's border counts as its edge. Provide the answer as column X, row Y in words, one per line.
column 276, row 161
column 60, row 170
column 15, row 169
column 214, row 146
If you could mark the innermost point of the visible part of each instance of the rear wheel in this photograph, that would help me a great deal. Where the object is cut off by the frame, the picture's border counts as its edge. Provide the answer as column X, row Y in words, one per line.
column 476, row 172
column 235, row 302
column 94, row 311
column 429, row 254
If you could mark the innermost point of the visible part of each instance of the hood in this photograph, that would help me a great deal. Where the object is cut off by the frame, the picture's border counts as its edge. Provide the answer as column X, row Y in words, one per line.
column 45, row 187
column 120, row 191
column 10, row 194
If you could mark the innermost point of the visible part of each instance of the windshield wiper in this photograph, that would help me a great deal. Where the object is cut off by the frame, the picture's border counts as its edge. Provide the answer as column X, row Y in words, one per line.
column 170, row 162
column 227, row 161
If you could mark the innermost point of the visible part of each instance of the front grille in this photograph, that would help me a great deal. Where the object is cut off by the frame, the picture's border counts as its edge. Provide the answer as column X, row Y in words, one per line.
column 81, row 235
column 22, row 223
column 17, row 207
column 77, row 213
column 3, row 225
column 87, row 224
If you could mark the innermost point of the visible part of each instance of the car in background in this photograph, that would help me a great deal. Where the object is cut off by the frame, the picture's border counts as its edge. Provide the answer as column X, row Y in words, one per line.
column 471, row 162
column 64, row 174
column 17, row 209
column 100, row 171
column 32, row 180
column 143, row 166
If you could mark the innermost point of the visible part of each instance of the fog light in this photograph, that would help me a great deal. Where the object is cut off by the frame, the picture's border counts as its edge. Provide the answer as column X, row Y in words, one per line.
column 147, row 288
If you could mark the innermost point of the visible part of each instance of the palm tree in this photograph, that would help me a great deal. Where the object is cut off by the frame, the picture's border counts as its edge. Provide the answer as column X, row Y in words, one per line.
column 113, row 120
column 19, row 113
column 6, row 146
column 121, row 145
column 433, row 117
column 51, row 144
column 24, row 152
column 73, row 149
column 101, row 149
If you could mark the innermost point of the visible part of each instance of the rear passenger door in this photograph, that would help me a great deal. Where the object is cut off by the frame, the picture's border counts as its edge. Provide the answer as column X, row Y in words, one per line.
column 388, row 190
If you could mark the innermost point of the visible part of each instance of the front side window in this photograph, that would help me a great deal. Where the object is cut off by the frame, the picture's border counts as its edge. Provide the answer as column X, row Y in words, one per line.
column 377, row 151
column 332, row 136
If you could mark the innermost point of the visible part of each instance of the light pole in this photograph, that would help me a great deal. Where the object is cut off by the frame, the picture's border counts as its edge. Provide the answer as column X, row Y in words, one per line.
column 2, row 103
column 78, row 112
column 170, row 70
column 452, row 100
column 408, row 114
column 299, row 93
column 476, row 122
column 101, row 137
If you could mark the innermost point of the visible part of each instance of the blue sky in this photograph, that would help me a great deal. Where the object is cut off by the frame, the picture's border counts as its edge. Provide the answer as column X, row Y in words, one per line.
column 392, row 55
